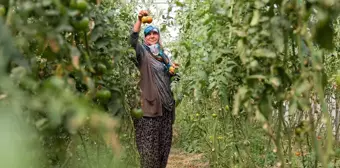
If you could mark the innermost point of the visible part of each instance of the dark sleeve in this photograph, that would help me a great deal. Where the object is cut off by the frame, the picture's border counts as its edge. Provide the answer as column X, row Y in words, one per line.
column 136, row 45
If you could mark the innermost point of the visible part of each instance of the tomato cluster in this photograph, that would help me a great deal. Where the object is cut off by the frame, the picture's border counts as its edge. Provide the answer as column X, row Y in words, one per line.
column 147, row 19
column 80, row 23
column 172, row 70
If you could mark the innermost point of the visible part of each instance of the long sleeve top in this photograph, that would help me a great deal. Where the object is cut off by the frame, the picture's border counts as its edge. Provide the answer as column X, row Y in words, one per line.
column 154, row 83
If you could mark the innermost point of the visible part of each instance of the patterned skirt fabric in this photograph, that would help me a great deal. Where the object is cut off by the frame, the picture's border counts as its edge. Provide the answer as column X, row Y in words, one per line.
column 153, row 138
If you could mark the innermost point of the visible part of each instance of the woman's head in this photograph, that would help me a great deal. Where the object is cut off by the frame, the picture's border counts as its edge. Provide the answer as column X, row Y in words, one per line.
column 151, row 34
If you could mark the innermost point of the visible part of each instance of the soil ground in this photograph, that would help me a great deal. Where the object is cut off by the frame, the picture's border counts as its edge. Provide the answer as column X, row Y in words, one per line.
column 179, row 159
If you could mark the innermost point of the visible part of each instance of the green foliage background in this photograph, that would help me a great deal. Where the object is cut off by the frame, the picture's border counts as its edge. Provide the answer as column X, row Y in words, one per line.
column 258, row 79
column 252, row 74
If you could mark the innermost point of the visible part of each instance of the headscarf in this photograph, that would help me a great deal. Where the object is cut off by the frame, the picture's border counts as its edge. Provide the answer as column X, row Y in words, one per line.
column 156, row 49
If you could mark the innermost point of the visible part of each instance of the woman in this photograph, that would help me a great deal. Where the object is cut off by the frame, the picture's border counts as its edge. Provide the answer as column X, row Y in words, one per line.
column 154, row 130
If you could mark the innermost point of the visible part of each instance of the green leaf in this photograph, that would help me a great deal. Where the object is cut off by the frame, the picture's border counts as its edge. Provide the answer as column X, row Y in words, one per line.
column 229, row 62
column 49, row 54
column 275, row 82
column 255, row 19
column 96, row 33
column 187, row 64
column 323, row 32
column 278, row 40
column 265, row 107
column 8, row 50
column 238, row 99
column 304, row 104
column 18, row 73
column 64, row 27
column 292, row 107
column 223, row 80
column 218, row 60
column 163, row 28
column 54, row 112
column 256, row 77
column 74, row 51
column 301, row 88
column 203, row 75
column 242, row 48
column 240, row 33
column 102, row 42
column 324, row 37
column 41, row 124
column 46, row 3
column 263, row 52
column 178, row 3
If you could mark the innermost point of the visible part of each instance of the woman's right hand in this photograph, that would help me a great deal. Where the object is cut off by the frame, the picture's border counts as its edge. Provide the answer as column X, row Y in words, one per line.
column 142, row 13
column 136, row 27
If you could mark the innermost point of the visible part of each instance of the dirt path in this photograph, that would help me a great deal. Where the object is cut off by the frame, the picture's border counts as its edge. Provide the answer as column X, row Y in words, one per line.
column 179, row 159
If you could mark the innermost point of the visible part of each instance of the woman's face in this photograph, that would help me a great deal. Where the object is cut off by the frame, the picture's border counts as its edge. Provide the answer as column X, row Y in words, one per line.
column 152, row 38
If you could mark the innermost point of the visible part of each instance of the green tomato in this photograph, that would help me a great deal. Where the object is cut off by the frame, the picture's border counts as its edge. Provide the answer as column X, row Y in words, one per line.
column 54, row 83
column 101, row 68
column 82, row 5
column 82, row 25
column 137, row 113
column 2, row 10
column 254, row 64
column 103, row 94
column 73, row 4
column 226, row 108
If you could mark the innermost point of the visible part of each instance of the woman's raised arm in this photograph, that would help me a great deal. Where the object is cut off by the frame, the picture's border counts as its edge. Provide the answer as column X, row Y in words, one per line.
column 136, row 29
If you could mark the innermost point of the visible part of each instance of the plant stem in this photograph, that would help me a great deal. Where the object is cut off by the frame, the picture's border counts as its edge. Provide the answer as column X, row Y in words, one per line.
column 10, row 12
column 98, row 148
column 278, row 135
column 230, row 26
column 85, row 149
column 302, row 155
column 234, row 134
column 65, row 162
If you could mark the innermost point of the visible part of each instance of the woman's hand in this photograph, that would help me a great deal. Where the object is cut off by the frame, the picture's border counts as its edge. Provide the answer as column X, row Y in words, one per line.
column 175, row 65
column 136, row 27
column 172, row 69
column 142, row 13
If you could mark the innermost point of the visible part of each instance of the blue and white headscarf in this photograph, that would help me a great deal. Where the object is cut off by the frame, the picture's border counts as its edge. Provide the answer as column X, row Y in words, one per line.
column 156, row 49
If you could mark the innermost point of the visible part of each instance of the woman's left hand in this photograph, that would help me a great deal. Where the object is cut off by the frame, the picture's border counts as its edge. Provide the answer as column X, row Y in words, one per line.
column 175, row 65
column 173, row 68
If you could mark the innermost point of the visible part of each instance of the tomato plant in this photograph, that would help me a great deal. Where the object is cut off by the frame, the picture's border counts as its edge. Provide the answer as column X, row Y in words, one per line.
column 73, row 63
column 259, row 81
column 269, row 62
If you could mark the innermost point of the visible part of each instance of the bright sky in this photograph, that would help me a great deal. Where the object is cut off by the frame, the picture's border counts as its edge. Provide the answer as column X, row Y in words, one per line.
column 159, row 8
